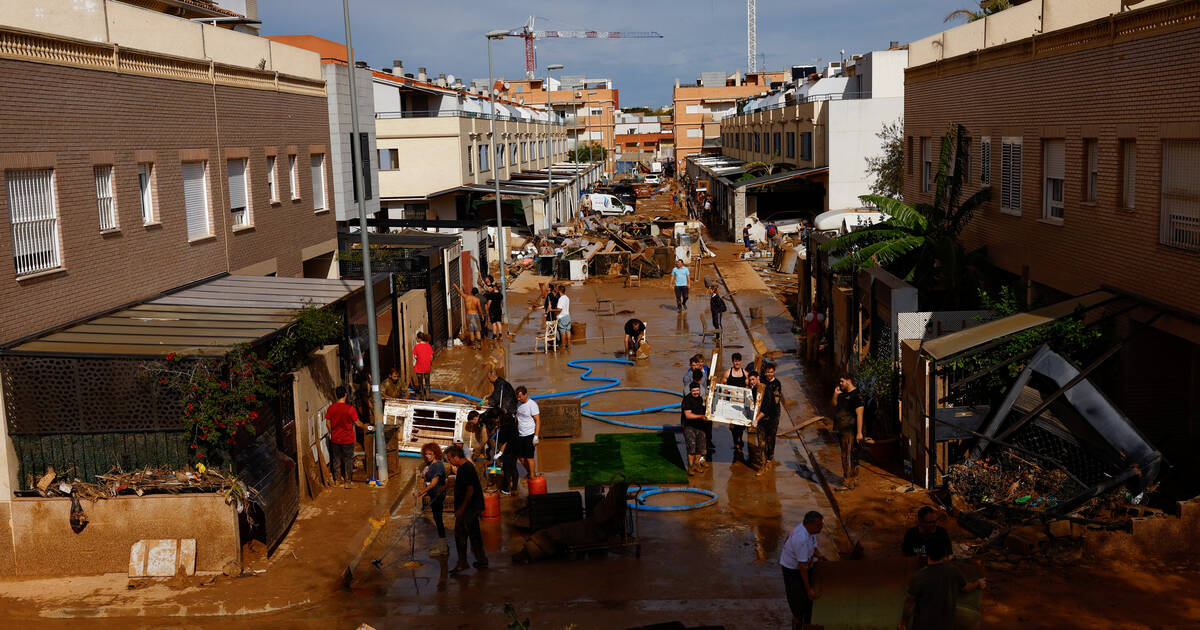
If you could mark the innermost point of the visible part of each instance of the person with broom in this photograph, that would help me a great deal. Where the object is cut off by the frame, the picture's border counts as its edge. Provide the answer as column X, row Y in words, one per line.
column 434, row 492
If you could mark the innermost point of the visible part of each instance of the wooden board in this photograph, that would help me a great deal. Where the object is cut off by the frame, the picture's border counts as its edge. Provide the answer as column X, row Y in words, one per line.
column 311, row 475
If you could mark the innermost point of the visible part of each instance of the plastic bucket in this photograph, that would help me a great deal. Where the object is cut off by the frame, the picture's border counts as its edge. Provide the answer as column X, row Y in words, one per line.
column 491, row 506
column 537, row 485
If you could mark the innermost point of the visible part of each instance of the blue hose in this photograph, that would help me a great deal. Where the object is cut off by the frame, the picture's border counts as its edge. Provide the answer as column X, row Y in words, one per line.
column 639, row 500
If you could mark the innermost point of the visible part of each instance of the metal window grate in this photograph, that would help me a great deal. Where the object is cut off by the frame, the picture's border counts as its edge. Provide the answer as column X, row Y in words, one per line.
column 104, row 197
column 985, row 161
column 34, row 220
column 1180, row 214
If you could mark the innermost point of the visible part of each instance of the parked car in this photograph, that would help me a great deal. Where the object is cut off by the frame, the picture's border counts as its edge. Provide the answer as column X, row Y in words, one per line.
column 606, row 205
column 654, row 178
column 843, row 221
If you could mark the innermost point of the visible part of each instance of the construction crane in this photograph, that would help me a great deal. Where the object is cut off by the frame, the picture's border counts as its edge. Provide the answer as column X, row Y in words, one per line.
column 752, row 36
column 528, row 33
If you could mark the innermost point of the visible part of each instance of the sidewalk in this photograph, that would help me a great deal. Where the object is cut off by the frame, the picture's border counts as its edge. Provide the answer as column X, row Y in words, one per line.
column 306, row 568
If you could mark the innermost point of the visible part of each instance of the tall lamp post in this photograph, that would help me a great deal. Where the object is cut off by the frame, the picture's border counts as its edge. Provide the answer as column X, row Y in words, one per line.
column 381, row 471
column 501, row 245
column 550, row 155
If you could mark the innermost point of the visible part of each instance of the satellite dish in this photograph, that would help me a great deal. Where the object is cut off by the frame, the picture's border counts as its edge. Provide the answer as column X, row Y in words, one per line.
column 449, row 79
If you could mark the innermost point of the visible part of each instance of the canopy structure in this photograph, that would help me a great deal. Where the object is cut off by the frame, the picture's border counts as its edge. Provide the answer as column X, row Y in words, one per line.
column 780, row 177
column 208, row 318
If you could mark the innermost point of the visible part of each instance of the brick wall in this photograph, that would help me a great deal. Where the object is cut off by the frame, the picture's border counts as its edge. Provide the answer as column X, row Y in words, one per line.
column 1142, row 89
column 77, row 118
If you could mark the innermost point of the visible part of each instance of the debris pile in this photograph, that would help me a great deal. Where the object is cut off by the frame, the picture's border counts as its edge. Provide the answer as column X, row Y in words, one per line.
column 139, row 482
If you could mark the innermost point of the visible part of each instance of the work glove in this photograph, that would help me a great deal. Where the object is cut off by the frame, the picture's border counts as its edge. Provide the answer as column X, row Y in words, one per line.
column 497, row 456
column 535, row 440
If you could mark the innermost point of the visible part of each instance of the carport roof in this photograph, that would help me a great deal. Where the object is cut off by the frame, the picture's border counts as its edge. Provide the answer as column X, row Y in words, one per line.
column 206, row 319
column 780, row 177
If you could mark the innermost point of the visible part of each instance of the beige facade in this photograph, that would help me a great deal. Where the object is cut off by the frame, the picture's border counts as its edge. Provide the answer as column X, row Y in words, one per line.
column 793, row 136
column 590, row 113
column 699, row 110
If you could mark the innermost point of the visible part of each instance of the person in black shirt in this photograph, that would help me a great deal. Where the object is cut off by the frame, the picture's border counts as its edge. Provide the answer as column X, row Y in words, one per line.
column 468, row 507
column 918, row 538
column 769, row 411
column 716, row 306
column 502, row 403
column 635, row 334
column 691, row 416
column 848, row 424
column 736, row 376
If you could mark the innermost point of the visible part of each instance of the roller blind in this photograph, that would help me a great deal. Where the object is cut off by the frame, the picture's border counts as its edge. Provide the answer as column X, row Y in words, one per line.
column 195, row 200
column 318, row 181
column 1056, row 159
column 237, row 184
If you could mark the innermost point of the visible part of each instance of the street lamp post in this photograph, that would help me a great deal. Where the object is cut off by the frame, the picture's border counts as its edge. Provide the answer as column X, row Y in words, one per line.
column 550, row 156
column 381, row 471
column 501, row 246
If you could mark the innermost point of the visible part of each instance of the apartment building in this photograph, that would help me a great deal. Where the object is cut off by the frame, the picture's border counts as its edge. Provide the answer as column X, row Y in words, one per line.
column 813, row 133
column 643, row 139
column 141, row 152
column 346, row 154
column 1082, row 123
column 588, row 107
column 699, row 108
column 439, row 161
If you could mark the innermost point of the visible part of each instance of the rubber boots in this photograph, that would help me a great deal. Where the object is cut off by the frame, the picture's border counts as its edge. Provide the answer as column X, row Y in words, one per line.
column 440, row 549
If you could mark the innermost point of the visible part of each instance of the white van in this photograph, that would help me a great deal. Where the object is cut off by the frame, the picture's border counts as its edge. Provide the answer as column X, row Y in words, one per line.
column 607, row 205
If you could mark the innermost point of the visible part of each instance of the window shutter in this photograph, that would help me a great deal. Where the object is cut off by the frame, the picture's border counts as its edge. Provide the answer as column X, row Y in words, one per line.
column 104, row 197
column 237, row 184
column 985, row 161
column 318, row 181
column 195, row 200
column 1016, row 177
column 1056, row 159
column 147, row 196
column 364, row 156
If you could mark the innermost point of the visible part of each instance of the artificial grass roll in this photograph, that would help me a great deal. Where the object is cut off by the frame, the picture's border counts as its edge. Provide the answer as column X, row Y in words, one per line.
column 645, row 458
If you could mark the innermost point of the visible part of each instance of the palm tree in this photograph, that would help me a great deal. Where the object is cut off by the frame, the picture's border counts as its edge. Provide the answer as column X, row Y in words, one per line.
column 986, row 8
column 919, row 243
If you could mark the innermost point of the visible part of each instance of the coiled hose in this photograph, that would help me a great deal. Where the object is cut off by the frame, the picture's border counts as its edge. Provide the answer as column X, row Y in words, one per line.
column 638, row 502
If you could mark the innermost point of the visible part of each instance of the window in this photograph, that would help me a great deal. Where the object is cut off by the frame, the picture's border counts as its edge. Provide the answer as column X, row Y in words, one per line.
column 1128, row 173
column 757, row 143
column 293, row 177
column 34, row 220
column 318, row 181
column 104, row 197
column 389, row 159
column 272, row 189
column 908, row 157
column 695, row 109
column 596, row 111
column 146, row 192
column 1010, row 174
column 416, row 211
column 778, row 142
column 985, row 160
column 1054, row 159
column 524, row 151
column 195, row 200
column 541, row 149
column 1091, row 169
column 806, row 146
column 360, row 155
column 483, row 157
column 695, row 133
column 512, row 152
column 791, row 144
column 1181, row 194
column 926, row 164
column 470, row 162
column 499, row 154
column 239, row 205
column 766, row 142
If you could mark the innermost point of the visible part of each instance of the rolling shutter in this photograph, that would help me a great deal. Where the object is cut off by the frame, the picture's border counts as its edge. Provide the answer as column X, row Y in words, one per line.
column 318, row 181
column 195, row 200
column 237, row 184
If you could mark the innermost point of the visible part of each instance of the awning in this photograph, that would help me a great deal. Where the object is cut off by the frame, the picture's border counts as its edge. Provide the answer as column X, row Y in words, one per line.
column 963, row 340
column 781, row 177
column 209, row 318
column 718, row 100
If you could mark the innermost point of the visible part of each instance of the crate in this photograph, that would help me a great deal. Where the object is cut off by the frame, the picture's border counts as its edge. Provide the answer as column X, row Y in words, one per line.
column 553, row 508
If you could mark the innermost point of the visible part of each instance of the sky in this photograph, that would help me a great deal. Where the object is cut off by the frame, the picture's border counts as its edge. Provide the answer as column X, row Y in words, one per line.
column 447, row 36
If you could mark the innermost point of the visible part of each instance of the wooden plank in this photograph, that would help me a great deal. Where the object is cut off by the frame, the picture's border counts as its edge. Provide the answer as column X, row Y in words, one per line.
column 326, row 473
column 311, row 475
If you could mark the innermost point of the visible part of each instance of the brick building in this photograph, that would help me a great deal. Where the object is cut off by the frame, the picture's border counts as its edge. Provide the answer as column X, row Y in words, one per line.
column 140, row 152
column 1089, row 137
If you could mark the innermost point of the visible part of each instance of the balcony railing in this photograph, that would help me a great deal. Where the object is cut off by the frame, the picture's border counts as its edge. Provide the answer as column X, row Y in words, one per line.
column 461, row 113
column 808, row 99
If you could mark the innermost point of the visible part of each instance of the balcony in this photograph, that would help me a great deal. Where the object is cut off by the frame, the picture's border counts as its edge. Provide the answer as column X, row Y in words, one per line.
column 462, row 113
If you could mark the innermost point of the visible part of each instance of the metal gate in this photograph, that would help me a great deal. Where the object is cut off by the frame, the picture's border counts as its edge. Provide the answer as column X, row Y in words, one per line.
column 456, row 306
column 438, row 326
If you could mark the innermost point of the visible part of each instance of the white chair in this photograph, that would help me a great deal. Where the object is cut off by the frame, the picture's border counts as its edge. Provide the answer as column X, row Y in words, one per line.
column 548, row 337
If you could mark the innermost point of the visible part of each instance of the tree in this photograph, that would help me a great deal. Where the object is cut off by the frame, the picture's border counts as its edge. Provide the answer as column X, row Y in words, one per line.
column 920, row 243
column 986, row 8
column 593, row 152
column 888, row 169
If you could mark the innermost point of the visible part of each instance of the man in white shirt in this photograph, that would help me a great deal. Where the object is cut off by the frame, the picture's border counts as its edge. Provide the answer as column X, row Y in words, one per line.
column 529, row 426
column 563, row 309
column 797, row 560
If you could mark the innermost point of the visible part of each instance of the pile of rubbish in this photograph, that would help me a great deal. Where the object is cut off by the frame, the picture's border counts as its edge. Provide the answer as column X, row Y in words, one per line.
column 1009, row 483
column 139, row 482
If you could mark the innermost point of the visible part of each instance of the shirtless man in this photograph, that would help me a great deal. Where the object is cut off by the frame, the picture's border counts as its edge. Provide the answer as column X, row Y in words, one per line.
column 474, row 315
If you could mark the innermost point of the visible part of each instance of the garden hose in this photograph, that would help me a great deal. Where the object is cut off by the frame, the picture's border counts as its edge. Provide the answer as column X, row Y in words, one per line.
column 638, row 502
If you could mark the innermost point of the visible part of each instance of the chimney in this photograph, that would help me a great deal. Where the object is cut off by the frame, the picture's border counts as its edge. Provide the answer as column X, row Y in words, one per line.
column 422, row 75
column 398, row 67
column 441, row 80
column 360, row 64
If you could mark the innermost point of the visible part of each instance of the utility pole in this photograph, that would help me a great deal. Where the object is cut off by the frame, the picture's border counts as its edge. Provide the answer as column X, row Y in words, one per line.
column 501, row 246
column 381, row 471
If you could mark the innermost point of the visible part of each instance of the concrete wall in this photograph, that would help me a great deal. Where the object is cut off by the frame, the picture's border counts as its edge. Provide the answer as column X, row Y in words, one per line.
column 337, row 86
column 133, row 27
column 853, row 126
column 38, row 541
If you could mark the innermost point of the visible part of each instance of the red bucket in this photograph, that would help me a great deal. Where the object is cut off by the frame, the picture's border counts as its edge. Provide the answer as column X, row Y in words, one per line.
column 491, row 507
column 537, row 485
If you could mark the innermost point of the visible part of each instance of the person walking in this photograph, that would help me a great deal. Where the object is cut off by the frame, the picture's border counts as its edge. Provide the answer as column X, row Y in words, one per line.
column 680, row 274
column 422, row 364
column 769, row 412
column 691, row 416
column 814, row 325
column 931, row 598
column 474, row 309
column 563, row 315
column 468, row 507
column 736, row 376
column 495, row 308
column 340, row 420
column 799, row 557
column 848, row 424
column 529, row 427
column 754, row 453
column 717, row 307
column 434, row 492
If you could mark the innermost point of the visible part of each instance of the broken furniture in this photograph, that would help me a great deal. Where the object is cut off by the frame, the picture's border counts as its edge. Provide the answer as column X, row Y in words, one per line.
column 421, row 422
column 731, row 405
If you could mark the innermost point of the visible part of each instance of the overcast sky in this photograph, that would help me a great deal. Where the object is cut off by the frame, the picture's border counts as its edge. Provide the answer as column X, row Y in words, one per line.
column 446, row 36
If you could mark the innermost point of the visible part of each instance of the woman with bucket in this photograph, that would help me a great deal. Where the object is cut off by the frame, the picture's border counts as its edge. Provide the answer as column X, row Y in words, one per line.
column 435, row 493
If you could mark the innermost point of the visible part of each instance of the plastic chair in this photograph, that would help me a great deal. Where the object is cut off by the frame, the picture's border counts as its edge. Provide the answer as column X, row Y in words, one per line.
column 548, row 337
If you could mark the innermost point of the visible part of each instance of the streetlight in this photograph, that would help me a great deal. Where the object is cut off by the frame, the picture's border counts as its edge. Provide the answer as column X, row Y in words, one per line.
column 550, row 155
column 500, row 244
column 381, row 471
